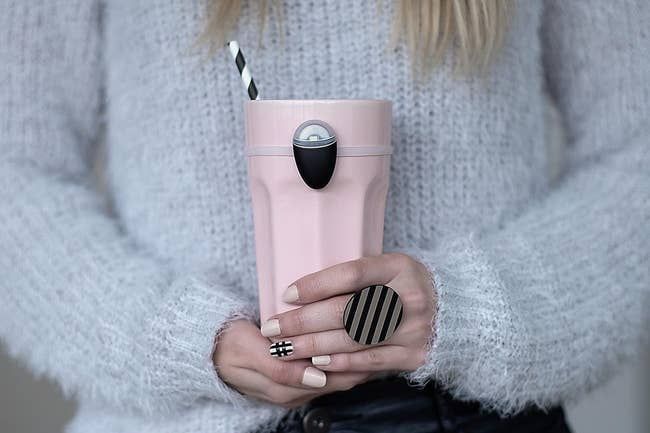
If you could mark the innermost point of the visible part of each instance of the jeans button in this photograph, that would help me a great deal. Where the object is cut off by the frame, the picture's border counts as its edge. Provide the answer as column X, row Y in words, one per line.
column 316, row 421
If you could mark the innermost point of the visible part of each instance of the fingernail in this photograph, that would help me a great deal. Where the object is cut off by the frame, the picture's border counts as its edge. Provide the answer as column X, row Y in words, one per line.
column 281, row 348
column 290, row 294
column 271, row 328
column 314, row 377
column 321, row 360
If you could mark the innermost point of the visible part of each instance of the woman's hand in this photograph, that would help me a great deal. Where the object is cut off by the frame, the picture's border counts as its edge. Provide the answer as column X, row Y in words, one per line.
column 316, row 328
column 242, row 357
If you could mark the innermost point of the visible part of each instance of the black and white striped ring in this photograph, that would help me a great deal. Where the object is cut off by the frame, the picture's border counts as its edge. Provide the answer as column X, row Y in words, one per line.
column 373, row 314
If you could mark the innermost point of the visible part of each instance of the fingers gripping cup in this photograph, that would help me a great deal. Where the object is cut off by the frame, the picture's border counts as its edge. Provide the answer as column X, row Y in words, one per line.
column 318, row 174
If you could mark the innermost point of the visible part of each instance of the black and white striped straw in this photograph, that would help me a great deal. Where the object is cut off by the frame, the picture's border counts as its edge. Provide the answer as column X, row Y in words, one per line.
column 245, row 73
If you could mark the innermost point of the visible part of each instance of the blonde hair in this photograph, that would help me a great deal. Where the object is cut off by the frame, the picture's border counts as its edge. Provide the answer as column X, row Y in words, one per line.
column 474, row 28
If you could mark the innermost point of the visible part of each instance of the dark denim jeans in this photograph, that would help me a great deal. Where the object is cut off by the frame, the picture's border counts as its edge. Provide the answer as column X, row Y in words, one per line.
column 391, row 406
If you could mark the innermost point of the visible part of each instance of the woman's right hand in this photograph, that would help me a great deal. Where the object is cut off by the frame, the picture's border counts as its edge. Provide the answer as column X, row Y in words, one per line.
column 243, row 360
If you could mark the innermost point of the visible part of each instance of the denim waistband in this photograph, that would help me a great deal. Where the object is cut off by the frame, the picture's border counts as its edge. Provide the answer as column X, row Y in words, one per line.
column 390, row 404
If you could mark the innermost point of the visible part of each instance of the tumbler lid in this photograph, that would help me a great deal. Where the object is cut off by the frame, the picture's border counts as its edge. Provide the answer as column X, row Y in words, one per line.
column 362, row 127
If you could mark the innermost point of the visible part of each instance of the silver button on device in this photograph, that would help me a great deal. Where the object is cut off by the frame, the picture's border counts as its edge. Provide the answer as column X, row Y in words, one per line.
column 317, row 420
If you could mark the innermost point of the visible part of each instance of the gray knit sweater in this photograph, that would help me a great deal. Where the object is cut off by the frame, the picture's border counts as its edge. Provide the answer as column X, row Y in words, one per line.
column 542, row 287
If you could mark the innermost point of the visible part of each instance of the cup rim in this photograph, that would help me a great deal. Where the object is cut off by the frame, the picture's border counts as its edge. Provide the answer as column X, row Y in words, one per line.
column 320, row 101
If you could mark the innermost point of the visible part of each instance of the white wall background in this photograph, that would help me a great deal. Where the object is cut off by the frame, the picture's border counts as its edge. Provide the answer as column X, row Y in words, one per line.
column 28, row 405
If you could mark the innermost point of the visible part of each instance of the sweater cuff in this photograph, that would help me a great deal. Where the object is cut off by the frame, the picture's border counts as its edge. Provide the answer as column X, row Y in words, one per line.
column 472, row 323
column 185, row 333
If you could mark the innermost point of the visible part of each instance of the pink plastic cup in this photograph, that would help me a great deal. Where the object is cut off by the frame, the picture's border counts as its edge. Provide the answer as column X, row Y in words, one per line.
column 298, row 229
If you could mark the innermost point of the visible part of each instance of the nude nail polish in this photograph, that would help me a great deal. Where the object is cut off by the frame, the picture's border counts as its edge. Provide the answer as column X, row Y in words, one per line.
column 290, row 294
column 271, row 328
column 321, row 360
column 314, row 378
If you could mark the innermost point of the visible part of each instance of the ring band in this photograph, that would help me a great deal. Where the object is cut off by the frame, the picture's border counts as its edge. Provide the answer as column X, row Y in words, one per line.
column 373, row 314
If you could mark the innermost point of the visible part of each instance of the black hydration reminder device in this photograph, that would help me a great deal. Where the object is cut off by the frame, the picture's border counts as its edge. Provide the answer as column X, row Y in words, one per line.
column 314, row 150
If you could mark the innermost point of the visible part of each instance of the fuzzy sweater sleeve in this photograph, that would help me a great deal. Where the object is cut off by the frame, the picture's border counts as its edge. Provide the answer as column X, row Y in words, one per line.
column 546, row 307
column 80, row 301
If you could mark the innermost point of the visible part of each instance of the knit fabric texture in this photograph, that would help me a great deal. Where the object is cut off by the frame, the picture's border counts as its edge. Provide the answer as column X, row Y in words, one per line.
column 542, row 286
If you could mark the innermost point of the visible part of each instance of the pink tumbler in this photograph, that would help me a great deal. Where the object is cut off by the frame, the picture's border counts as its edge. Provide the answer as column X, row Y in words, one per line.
column 318, row 174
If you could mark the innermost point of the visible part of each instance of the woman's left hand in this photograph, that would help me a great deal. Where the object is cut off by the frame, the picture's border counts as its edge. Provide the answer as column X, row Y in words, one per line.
column 316, row 328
